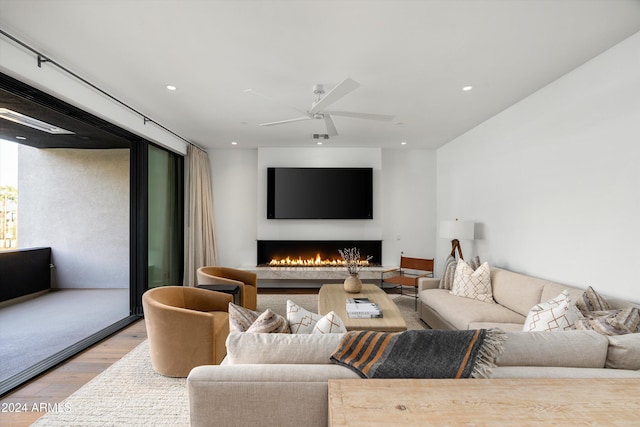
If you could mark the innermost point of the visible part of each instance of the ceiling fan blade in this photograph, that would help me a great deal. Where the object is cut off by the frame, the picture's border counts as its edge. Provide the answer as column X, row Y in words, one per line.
column 331, row 127
column 253, row 92
column 367, row 116
column 297, row 119
column 343, row 88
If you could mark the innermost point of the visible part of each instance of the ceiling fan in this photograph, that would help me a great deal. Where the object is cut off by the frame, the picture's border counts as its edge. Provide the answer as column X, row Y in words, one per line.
column 318, row 112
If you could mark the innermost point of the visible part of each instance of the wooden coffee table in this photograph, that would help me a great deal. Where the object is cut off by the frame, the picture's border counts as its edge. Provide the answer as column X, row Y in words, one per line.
column 332, row 297
column 484, row 402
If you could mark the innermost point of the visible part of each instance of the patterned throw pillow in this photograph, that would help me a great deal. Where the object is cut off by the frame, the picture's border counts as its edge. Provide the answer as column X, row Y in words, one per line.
column 450, row 269
column 611, row 322
column 592, row 301
column 472, row 284
column 270, row 323
column 331, row 323
column 557, row 314
column 240, row 318
column 301, row 321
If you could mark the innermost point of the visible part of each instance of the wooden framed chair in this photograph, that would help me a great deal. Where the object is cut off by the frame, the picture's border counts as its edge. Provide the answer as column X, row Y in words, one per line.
column 408, row 274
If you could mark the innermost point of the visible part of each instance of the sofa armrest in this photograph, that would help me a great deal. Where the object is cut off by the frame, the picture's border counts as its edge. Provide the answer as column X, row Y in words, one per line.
column 428, row 283
column 279, row 395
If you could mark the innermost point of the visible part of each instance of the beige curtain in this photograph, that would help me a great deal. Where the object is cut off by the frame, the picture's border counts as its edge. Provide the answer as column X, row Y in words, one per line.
column 200, row 245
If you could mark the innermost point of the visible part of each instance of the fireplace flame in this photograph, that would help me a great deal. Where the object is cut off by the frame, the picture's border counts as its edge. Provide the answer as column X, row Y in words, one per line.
column 311, row 262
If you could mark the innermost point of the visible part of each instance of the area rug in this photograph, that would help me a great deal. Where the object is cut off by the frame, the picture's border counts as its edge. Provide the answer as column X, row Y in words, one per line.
column 131, row 393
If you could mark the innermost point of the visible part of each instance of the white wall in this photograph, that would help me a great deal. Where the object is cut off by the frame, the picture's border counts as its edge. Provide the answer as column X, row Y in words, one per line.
column 21, row 64
column 554, row 181
column 234, row 174
column 409, row 204
column 77, row 202
column 404, row 200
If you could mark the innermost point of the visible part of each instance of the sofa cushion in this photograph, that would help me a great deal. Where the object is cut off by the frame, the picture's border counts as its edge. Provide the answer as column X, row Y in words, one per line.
column 461, row 312
column 611, row 322
column 557, row 314
column 552, row 289
column 247, row 348
column 330, row 323
column 516, row 291
column 449, row 271
column 301, row 320
column 507, row 327
column 560, row 372
column 578, row 349
column 270, row 322
column 592, row 301
column 475, row 284
column 624, row 352
column 446, row 282
column 240, row 318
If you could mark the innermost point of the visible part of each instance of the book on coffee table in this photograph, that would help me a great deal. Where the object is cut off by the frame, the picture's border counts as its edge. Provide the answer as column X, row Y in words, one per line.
column 362, row 308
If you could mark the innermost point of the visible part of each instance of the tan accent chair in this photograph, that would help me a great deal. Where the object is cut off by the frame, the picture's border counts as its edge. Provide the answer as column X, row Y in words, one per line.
column 247, row 281
column 186, row 327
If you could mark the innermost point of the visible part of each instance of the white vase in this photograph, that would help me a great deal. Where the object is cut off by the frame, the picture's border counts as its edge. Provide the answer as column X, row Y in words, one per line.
column 353, row 284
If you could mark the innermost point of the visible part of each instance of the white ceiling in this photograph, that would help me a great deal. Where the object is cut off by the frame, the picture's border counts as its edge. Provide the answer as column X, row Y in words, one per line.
column 412, row 59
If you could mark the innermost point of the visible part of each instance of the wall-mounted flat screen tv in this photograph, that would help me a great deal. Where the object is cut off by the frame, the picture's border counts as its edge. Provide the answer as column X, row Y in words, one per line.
column 319, row 193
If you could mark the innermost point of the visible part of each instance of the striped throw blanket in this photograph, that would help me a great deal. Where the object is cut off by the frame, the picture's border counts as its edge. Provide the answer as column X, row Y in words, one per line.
column 420, row 354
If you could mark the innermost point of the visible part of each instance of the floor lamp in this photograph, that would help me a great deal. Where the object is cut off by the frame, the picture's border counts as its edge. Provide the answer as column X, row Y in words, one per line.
column 457, row 230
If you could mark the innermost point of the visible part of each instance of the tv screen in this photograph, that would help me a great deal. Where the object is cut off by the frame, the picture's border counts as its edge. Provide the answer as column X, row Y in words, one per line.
column 320, row 193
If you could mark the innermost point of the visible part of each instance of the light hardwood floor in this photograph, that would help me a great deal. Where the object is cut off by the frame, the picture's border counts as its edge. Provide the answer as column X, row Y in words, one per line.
column 22, row 406
column 61, row 382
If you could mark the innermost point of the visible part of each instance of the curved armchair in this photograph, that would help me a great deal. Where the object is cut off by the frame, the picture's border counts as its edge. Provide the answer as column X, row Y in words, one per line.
column 186, row 327
column 247, row 281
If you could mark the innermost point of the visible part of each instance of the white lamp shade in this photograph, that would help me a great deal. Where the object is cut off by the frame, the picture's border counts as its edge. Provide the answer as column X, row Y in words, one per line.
column 461, row 230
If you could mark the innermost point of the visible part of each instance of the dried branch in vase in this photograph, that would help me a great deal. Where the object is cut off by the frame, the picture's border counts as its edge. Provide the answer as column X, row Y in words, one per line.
column 351, row 257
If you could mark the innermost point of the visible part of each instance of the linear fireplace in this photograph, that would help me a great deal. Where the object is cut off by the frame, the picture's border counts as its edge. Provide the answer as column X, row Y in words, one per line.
column 314, row 253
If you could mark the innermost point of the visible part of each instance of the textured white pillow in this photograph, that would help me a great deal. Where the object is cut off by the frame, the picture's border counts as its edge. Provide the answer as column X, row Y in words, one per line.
column 301, row 320
column 557, row 314
column 331, row 323
column 269, row 323
column 473, row 284
column 240, row 318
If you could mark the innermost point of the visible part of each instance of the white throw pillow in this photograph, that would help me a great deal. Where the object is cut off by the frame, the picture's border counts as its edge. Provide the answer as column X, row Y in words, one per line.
column 269, row 323
column 557, row 314
column 331, row 323
column 472, row 284
column 301, row 320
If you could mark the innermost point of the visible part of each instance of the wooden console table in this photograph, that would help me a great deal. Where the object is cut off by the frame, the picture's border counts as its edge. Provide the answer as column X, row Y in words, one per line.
column 484, row 402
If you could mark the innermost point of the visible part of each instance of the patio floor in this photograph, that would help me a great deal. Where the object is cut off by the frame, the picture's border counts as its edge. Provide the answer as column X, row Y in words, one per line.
column 32, row 330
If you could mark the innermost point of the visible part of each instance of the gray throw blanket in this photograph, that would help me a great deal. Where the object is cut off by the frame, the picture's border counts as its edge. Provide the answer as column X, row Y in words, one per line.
column 420, row 354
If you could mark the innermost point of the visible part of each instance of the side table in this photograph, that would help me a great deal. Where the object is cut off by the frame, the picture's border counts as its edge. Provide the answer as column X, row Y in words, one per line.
column 227, row 289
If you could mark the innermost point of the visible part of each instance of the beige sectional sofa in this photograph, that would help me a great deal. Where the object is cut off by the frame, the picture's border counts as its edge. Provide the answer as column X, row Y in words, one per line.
column 281, row 379
column 514, row 293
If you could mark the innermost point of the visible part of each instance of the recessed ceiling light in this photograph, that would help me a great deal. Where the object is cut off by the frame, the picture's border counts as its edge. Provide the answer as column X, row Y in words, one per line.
column 467, row 88
column 21, row 137
column 16, row 117
column 234, row 143
column 171, row 87
column 403, row 143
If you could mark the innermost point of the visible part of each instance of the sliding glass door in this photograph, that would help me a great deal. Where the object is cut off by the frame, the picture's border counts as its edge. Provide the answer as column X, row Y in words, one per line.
column 165, row 218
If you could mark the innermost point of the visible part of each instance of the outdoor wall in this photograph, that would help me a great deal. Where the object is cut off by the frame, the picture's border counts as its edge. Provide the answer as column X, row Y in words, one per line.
column 553, row 182
column 404, row 201
column 77, row 202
